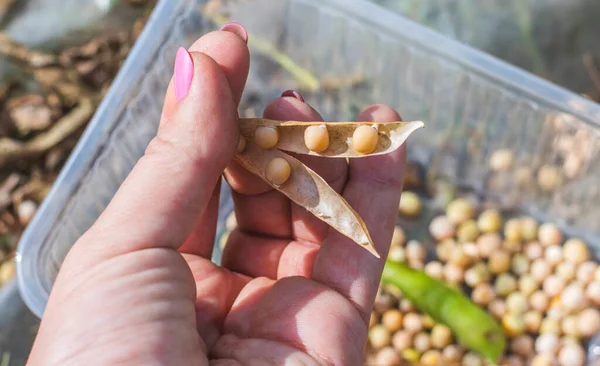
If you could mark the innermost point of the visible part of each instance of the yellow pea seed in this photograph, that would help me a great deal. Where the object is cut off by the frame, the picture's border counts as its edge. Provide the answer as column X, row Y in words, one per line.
column 489, row 221
column 499, row 262
column 428, row 322
column 241, row 146
column 452, row 353
column 576, row 251
column 533, row 320
column 411, row 355
column 373, row 319
column 379, row 336
column 365, row 139
column 392, row 320
column 7, row 271
column 459, row 210
column 501, row 160
column 512, row 230
column 431, row 358
column 467, row 231
column 402, row 340
column 441, row 336
column 529, row 228
column 316, row 138
column 410, row 204
column 549, row 234
column 387, row 356
column 513, row 324
column 278, row 171
column 549, row 178
column 399, row 237
column 266, row 137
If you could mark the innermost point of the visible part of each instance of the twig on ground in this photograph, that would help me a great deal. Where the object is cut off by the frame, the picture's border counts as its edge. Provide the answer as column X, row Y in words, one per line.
column 11, row 150
column 33, row 58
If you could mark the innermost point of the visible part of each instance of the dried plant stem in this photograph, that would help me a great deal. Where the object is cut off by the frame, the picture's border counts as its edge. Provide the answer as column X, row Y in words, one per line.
column 304, row 77
column 35, row 59
column 11, row 150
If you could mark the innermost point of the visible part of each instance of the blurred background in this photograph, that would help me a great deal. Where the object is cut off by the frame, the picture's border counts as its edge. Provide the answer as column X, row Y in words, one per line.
column 59, row 57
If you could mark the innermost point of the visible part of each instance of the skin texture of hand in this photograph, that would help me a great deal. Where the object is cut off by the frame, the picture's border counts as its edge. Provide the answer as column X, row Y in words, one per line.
column 139, row 288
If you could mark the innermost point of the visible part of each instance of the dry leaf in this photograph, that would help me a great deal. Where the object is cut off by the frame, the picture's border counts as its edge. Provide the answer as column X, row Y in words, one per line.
column 309, row 190
column 291, row 135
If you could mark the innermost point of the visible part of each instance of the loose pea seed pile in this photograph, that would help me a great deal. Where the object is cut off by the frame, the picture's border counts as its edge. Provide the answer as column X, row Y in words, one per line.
column 542, row 289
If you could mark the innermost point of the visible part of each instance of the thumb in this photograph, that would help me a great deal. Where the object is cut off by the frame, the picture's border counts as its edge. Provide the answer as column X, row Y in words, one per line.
column 167, row 191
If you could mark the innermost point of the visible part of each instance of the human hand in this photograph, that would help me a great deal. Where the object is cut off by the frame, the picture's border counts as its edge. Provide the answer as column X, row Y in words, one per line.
column 139, row 287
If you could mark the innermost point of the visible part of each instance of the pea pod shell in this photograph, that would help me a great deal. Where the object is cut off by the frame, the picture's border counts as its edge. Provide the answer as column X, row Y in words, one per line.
column 306, row 188
column 291, row 135
column 473, row 327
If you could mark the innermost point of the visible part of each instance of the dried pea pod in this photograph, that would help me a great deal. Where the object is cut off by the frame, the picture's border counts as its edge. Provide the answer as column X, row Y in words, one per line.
column 473, row 327
column 292, row 133
column 309, row 190
column 262, row 150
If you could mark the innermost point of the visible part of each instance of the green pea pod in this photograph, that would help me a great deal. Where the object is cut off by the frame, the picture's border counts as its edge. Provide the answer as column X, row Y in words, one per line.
column 473, row 327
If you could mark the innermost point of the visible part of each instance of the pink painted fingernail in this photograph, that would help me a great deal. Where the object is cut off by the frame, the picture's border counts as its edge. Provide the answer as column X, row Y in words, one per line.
column 237, row 29
column 184, row 73
column 293, row 94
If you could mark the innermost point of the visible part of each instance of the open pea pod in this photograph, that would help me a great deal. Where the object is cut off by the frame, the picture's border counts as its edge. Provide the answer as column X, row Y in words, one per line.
column 306, row 188
column 391, row 135
column 265, row 141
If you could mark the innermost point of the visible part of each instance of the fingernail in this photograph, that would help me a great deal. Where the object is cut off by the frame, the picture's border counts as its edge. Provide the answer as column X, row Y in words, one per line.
column 184, row 72
column 237, row 29
column 293, row 94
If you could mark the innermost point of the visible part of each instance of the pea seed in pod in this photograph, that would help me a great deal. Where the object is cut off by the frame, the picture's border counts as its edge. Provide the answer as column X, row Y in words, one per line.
column 278, row 171
column 365, row 139
column 266, row 137
column 316, row 138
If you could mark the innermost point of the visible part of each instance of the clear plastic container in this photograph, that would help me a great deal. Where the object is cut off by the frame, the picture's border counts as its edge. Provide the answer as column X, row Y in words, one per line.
column 472, row 104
